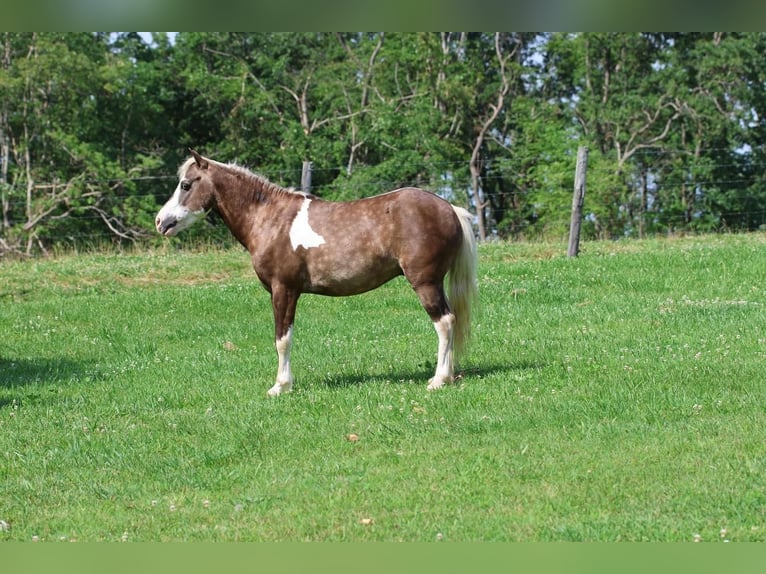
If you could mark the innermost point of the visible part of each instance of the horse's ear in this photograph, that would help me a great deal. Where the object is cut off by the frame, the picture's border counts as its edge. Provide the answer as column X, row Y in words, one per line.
column 202, row 163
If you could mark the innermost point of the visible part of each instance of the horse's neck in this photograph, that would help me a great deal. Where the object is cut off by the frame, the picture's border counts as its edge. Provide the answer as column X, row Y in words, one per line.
column 248, row 202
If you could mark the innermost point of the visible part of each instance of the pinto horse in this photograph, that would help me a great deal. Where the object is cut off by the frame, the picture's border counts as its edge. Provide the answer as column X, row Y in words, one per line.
column 300, row 243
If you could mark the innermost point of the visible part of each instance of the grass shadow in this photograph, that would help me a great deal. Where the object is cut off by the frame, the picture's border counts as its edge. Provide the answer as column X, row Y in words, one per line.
column 423, row 373
column 22, row 372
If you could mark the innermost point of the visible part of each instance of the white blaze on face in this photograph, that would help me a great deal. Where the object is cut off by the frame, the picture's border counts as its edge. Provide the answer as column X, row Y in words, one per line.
column 181, row 215
column 301, row 234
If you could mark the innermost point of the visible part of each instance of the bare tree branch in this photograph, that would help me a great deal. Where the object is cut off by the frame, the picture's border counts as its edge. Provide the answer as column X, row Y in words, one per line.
column 475, row 165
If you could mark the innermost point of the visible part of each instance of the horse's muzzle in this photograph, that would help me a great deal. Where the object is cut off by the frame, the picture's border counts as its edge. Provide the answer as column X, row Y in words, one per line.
column 166, row 227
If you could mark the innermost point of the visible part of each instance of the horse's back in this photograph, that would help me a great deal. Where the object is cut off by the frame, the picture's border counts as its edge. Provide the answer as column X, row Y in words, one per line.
column 390, row 222
column 404, row 207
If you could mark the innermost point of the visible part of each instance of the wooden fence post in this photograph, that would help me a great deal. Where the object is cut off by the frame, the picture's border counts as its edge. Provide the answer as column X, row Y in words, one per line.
column 306, row 177
column 577, row 202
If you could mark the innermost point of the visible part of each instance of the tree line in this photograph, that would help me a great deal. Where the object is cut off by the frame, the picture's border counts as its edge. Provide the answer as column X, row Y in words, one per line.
column 94, row 125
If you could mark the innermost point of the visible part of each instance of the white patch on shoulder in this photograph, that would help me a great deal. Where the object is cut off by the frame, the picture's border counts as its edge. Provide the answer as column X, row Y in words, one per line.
column 301, row 234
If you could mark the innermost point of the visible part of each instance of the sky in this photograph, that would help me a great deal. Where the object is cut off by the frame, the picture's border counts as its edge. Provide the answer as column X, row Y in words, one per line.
column 147, row 36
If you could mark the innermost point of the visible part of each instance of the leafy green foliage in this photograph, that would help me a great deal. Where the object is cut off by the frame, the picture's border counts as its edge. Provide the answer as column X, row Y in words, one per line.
column 94, row 125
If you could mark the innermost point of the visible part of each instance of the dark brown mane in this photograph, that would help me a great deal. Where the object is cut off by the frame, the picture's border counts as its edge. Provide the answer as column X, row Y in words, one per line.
column 256, row 187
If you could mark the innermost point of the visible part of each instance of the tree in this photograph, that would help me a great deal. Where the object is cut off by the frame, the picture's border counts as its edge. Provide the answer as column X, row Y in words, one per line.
column 504, row 54
column 93, row 126
column 76, row 129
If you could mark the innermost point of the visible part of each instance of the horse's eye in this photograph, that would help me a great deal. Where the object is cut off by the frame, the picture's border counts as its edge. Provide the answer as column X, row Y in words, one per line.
column 185, row 186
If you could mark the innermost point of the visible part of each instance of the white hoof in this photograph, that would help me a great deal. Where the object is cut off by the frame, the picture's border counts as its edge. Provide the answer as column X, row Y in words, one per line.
column 279, row 388
column 438, row 383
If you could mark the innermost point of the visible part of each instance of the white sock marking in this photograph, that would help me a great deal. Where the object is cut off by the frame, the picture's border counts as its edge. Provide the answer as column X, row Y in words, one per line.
column 444, row 363
column 284, row 374
column 301, row 234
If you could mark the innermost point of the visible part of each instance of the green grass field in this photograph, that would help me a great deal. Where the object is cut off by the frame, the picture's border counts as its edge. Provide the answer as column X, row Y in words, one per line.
column 616, row 396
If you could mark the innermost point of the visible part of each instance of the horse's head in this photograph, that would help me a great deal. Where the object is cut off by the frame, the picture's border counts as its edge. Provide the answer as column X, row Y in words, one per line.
column 192, row 198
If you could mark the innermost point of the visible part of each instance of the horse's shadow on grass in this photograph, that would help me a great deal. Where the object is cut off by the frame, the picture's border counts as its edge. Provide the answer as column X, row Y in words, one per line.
column 25, row 372
column 424, row 373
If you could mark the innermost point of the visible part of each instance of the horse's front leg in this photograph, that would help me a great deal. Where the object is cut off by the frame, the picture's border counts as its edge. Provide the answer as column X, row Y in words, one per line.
column 284, row 302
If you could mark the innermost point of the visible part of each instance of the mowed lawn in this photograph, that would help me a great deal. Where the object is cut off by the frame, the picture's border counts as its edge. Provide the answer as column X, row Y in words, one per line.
column 617, row 396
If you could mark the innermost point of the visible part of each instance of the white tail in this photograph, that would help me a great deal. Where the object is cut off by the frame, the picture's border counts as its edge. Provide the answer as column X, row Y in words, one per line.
column 463, row 288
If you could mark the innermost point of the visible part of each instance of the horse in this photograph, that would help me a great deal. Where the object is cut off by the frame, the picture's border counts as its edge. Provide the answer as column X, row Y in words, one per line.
column 300, row 243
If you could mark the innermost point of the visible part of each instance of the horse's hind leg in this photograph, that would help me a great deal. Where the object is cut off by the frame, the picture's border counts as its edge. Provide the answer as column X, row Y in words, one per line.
column 444, row 364
column 435, row 303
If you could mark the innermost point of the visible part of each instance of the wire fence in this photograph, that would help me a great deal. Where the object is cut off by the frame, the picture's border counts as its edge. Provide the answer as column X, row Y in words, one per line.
column 153, row 190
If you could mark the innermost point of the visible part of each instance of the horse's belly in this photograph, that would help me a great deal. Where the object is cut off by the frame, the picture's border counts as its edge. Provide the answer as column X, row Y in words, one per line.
column 348, row 278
